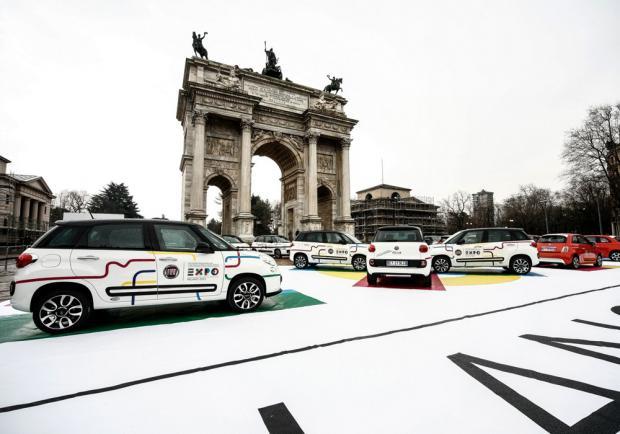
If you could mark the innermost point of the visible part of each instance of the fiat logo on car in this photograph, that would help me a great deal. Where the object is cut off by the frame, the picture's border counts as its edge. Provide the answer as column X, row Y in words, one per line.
column 171, row 271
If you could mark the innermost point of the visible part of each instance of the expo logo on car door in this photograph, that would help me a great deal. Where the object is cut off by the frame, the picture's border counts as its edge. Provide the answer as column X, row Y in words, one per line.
column 201, row 271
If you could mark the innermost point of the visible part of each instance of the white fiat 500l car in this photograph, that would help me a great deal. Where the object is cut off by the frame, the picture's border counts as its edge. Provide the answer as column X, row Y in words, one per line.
column 486, row 247
column 398, row 251
column 328, row 247
column 102, row 264
column 273, row 245
column 236, row 242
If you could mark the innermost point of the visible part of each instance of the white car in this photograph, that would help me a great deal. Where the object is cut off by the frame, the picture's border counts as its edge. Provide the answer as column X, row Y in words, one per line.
column 273, row 245
column 236, row 242
column 398, row 251
column 80, row 266
column 328, row 247
column 486, row 247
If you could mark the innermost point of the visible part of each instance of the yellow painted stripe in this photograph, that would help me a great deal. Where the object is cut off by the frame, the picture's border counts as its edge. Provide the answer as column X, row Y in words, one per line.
column 140, row 282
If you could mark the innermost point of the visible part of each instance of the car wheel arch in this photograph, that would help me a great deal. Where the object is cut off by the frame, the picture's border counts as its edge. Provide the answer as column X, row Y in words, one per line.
column 41, row 291
column 239, row 276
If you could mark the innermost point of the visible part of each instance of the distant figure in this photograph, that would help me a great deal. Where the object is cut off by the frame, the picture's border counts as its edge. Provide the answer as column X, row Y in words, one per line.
column 199, row 49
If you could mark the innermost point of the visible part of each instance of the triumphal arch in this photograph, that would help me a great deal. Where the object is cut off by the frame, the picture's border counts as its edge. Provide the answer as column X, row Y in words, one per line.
column 230, row 114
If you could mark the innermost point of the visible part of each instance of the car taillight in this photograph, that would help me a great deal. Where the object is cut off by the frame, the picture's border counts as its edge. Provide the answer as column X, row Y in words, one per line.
column 565, row 249
column 25, row 259
column 533, row 244
column 423, row 248
column 371, row 248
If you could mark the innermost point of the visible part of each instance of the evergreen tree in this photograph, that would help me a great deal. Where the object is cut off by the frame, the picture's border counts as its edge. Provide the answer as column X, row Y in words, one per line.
column 115, row 199
column 215, row 226
column 261, row 209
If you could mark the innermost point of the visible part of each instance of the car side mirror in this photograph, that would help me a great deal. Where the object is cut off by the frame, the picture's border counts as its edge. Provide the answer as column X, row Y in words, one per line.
column 203, row 248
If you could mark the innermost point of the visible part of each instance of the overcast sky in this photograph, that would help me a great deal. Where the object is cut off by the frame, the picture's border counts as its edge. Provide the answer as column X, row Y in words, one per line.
column 453, row 95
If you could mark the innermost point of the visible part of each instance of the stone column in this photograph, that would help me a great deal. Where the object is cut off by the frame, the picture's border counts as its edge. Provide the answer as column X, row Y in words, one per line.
column 17, row 208
column 41, row 218
column 25, row 210
column 35, row 214
column 244, row 220
column 197, row 212
column 311, row 221
column 344, row 222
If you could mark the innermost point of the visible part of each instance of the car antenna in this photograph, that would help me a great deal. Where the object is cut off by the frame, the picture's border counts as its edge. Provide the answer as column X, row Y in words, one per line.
column 91, row 214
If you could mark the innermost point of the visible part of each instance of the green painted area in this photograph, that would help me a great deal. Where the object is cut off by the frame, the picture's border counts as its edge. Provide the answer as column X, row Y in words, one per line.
column 21, row 328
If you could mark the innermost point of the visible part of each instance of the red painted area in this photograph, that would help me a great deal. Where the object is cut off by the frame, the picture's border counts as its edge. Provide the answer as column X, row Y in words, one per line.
column 404, row 283
column 233, row 265
column 103, row 276
column 584, row 268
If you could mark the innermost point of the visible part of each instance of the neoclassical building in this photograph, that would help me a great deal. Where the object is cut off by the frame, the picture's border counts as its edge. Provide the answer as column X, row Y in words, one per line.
column 230, row 114
column 25, row 204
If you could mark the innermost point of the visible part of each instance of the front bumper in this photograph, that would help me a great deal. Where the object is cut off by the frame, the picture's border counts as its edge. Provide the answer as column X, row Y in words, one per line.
column 550, row 260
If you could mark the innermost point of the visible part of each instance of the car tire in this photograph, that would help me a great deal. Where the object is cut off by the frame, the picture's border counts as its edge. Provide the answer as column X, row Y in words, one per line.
column 615, row 256
column 61, row 310
column 427, row 282
column 520, row 265
column 599, row 261
column 371, row 279
column 441, row 264
column 301, row 261
column 277, row 254
column 574, row 263
column 359, row 263
column 245, row 294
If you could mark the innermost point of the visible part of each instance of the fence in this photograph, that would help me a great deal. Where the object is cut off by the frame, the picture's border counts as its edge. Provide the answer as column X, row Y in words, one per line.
column 9, row 253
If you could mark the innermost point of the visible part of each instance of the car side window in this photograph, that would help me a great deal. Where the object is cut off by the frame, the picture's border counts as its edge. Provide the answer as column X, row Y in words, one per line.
column 314, row 237
column 176, row 238
column 259, row 239
column 580, row 240
column 333, row 238
column 519, row 236
column 114, row 236
column 472, row 237
column 498, row 235
column 601, row 240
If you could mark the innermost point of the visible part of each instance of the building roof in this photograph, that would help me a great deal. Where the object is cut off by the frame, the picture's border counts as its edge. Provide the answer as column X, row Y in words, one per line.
column 6, row 160
column 24, row 178
column 388, row 186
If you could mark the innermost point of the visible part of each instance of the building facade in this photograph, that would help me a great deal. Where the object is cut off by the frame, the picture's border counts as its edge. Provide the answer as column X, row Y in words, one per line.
column 230, row 114
column 25, row 204
column 384, row 205
column 483, row 208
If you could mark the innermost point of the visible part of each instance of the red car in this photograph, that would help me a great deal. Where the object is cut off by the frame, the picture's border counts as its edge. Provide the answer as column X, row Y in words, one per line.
column 568, row 249
column 608, row 246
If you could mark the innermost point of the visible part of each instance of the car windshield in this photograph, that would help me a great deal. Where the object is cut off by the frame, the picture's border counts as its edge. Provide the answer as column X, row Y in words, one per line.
column 391, row 235
column 217, row 241
column 552, row 239
column 453, row 238
column 281, row 240
column 232, row 239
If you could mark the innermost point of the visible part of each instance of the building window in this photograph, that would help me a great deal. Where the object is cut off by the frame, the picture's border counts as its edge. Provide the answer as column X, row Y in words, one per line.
column 8, row 199
column 368, row 196
column 395, row 196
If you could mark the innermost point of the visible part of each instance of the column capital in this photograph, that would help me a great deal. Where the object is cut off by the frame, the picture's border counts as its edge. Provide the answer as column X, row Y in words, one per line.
column 312, row 136
column 247, row 124
column 199, row 117
column 346, row 142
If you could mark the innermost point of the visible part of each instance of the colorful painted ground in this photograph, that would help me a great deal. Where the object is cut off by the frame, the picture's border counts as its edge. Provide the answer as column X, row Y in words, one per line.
column 479, row 352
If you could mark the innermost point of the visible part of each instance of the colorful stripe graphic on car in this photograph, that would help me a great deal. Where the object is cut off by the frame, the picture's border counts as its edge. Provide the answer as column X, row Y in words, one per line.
column 103, row 276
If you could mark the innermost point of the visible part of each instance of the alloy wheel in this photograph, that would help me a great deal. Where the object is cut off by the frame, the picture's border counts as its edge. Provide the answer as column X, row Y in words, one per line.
column 60, row 312
column 615, row 256
column 521, row 266
column 301, row 261
column 359, row 263
column 599, row 261
column 441, row 265
column 246, row 295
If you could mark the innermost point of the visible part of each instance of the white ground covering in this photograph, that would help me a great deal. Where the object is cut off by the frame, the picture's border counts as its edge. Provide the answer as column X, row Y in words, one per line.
column 402, row 382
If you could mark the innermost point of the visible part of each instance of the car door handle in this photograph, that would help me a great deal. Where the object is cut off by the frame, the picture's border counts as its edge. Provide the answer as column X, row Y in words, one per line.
column 168, row 259
column 88, row 258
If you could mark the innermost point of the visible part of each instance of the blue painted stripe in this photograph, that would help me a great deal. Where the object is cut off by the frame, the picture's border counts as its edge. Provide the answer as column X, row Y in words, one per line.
column 198, row 296
column 135, row 276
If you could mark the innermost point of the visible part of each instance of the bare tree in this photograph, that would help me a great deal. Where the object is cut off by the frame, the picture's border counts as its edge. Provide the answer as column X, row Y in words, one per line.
column 77, row 201
column 593, row 151
column 529, row 209
column 457, row 210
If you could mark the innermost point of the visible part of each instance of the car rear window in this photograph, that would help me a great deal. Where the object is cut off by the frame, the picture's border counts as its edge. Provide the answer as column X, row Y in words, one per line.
column 61, row 237
column 401, row 235
column 552, row 239
column 311, row 237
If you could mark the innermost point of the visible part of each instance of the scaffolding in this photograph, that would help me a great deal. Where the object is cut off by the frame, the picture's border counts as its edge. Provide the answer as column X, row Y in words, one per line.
column 372, row 214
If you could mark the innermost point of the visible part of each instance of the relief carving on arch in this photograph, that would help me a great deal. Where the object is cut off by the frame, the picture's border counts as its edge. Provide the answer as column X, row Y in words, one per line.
column 259, row 135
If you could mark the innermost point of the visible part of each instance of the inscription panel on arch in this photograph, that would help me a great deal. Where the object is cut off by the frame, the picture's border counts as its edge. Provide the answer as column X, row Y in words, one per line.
column 272, row 95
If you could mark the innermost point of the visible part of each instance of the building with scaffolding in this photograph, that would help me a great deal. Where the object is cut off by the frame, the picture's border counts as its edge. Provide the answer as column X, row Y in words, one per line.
column 384, row 205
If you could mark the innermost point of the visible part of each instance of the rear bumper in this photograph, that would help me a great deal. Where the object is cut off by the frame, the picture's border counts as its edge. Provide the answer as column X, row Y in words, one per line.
column 552, row 260
column 400, row 271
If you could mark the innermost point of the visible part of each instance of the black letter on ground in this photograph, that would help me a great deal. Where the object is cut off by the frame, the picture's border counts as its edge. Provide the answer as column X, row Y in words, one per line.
column 604, row 420
column 279, row 420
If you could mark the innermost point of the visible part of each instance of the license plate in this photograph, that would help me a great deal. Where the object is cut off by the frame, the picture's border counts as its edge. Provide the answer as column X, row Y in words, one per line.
column 548, row 249
column 396, row 263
